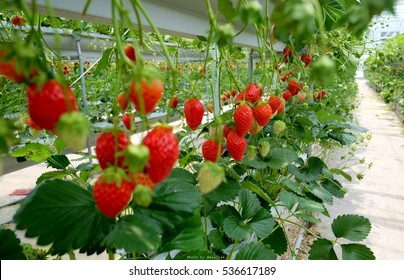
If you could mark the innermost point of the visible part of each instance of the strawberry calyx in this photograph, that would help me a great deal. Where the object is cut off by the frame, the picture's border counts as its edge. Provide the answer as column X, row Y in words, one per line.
column 115, row 175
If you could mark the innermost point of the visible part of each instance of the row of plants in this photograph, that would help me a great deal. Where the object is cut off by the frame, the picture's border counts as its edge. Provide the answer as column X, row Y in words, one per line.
column 384, row 69
column 222, row 189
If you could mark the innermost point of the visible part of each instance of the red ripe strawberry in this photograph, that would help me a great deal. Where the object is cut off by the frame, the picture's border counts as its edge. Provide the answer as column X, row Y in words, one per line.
column 320, row 94
column 163, row 150
column 123, row 101
column 149, row 95
column 110, row 198
column 236, row 144
column 47, row 104
column 128, row 120
column 233, row 92
column 252, row 93
column 262, row 113
column 306, row 58
column 144, row 180
column 243, row 118
column 223, row 98
column 287, row 95
column 106, row 150
column 228, row 95
column 174, row 102
column 18, row 21
column 293, row 87
column 130, row 52
column 193, row 111
column 287, row 53
column 275, row 102
column 8, row 68
column 281, row 108
column 226, row 130
column 210, row 149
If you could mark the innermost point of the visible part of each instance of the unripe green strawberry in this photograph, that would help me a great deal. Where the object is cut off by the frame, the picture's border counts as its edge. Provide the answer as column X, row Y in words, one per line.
column 263, row 147
column 210, row 176
column 73, row 128
column 112, row 196
column 136, row 157
column 164, row 152
column 279, row 127
column 143, row 193
column 251, row 152
column 210, row 149
column 236, row 144
column 243, row 118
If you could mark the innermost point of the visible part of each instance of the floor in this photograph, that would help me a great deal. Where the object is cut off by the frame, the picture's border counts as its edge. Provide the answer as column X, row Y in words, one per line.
column 379, row 195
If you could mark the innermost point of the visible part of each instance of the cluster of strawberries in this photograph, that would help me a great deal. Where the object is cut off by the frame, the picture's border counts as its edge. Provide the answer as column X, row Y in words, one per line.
column 132, row 171
column 250, row 116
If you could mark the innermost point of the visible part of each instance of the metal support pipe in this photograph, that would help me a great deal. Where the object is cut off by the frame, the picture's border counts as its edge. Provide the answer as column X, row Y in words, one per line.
column 83, row 89
column 216, row 80
column 251, row 65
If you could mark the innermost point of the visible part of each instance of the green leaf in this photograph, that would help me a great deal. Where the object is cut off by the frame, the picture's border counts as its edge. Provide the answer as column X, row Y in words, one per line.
column 33, row 151
column 262, row 223
column 60, row 174
column 290, row 200
column 281, row 157
column 344, row 138
column 292, row 186
column 187, row 236
column 334, row 187
column 227, row 9
column 104, row 61
column 277, row 241
column 249, row 204
column 256, row 251
column 10, row 246
column 312, row 171
column 321, row 193
column 342, row 173
column 219, row 215
column 62, row 214
column 225, row 192
column 351, row 227
column 59, row 144
column 58, row 161
column 177, row 195
column 218, row 239
column 133, row 234
column 256, row 164
column 184, row 175
column 322, row 249
column 236, row 229
column 257, row 190
column 356, row 252
column 307, row 217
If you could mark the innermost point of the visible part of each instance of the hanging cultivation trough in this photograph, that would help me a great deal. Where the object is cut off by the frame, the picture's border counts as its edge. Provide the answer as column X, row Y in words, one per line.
column 197, row 128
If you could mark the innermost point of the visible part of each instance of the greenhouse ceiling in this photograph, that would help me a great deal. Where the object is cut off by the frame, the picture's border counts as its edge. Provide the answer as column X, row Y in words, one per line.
column 174, row 17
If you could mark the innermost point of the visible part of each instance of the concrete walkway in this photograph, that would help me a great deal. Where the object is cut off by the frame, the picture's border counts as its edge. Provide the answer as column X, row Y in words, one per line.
column 379, row 196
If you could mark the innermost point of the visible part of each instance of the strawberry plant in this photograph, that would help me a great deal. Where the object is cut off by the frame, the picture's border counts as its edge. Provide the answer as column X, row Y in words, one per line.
column 221, row 187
